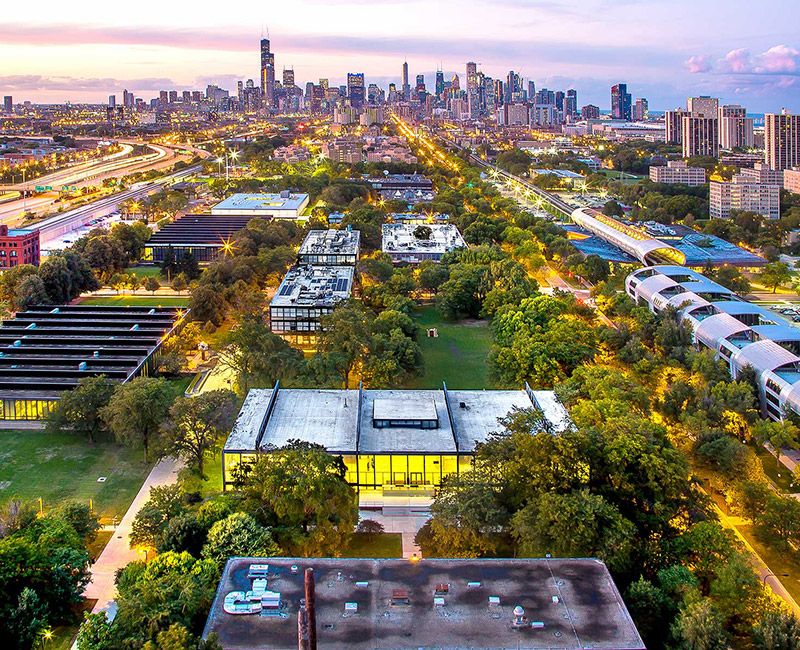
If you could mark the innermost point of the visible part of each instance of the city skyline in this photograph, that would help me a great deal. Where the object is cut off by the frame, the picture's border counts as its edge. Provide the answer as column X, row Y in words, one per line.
column 83, row 55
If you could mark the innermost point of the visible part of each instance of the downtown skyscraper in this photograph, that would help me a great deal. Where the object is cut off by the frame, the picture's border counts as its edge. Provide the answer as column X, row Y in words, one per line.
column 406, row 87
column 267, row 75
column 620, row 102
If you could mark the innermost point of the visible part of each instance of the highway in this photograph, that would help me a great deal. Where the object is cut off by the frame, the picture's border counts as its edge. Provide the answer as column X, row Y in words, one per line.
column 89, row 174
column 58, row 225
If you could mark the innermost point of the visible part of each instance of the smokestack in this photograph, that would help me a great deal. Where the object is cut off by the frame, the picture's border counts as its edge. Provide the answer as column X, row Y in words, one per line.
column 302, row 628
column 311, row 608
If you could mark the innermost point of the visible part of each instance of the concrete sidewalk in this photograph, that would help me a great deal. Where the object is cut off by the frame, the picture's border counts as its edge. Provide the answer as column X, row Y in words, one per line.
column 118, row 552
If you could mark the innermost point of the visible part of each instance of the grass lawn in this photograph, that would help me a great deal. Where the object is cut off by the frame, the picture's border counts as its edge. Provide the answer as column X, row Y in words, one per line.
column 382, row 545
column 146, row 272
column 458, row 356
column 62, row 466
column 141, row 300
column 778, row 561
column 778, row 473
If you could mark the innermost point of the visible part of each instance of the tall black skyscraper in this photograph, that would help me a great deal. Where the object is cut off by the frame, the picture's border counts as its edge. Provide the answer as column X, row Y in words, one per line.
column 439, row 83
column 356, row 92
column 620, row 102
column 406, row 87
column 267, row 74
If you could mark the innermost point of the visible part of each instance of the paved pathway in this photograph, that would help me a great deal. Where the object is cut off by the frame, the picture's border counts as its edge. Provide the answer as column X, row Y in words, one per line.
column 118, row 552
column 406, row 525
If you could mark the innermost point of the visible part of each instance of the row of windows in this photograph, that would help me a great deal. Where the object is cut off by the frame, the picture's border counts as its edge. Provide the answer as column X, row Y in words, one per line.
column 413, row 424
column 327, row 259
column 298, row 312
column 294, row 326
column 379, row 470
column 25, row 409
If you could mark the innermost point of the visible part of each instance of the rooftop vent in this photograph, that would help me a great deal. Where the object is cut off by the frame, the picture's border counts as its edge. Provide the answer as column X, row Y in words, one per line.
column 400, row 597
column 82, row 365
column 96, row 354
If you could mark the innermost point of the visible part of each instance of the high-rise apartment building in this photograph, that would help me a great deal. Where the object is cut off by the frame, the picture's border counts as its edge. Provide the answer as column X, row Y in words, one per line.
column 700, row 136
column 8, row 104
column 744, row 193
column 673, row 126
column 641, row 109
column 128, row 100
column 570, row 103
column 782, row 140
column 700, row 128
column 112, row 101
column 703, row 105
column 735, row 128
column 620, row 102
column 590, row 112
column 267, row 74
column 355, row 89
column 473, row 94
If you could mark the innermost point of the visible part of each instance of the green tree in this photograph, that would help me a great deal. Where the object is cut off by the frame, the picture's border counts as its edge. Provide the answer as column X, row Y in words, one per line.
column 345, row 337
column 775, row 274
column 164, row 504
column 172, row 588
column 732, row 278
column 239, row 534
column 701, row 627
column 152, row 284
column 80, row 408
column 206, row 304
column 301, row 490
column 96, row 633
column 136, row 411
column 596, row 529
column 777, row 631
column 196, row 424
column 257, row 356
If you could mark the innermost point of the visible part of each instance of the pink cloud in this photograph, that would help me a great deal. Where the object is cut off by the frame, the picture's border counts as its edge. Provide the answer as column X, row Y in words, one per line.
column 737, row 60
column 780, row 59
column 697, row 64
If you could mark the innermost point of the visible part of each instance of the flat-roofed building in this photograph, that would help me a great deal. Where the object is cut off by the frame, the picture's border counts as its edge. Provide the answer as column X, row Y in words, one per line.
column 388, row 439
column 745, row 193
column 203, row 236
column 678, row 172
column 48, row 349
column 286, row 205
column 410, row 244
column 18, row 246
column 791, row 180
column 306, row 294
column 482, row 604
column 330, row 248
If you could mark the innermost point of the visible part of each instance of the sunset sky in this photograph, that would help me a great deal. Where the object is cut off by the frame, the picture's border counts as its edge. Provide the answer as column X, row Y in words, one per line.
column 742, row 51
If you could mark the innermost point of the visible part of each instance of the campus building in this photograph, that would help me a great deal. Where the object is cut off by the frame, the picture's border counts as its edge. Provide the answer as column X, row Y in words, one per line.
column 285, row 205
column 752, row 190
column 330, row 248
column 204, row 236
column 48, row 349
column 306, row 294
column 18, row 246
column 742, row 334
column 678, row 172
column 392, row 442
column 410, row 244
column 362, row 604
column 410, row 188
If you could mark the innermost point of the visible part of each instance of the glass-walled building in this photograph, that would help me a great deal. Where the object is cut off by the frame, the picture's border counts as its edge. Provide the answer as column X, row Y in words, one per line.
column 391, row 441
column 48, row 349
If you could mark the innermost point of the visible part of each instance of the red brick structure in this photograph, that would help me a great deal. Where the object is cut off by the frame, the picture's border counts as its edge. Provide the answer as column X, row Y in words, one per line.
column 18, row 246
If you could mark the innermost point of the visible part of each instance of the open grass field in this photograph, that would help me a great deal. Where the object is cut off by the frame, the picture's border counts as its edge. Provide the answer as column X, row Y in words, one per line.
column 383, row 545
column 779, row 562
column 458, row 356
column 140, row 300
column 145, row 271
column 63, row 466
